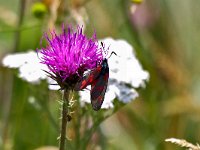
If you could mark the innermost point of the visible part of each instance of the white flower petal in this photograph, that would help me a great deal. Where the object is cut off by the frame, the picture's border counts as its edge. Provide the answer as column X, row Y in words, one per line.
column 85, row 96
column 125, row 67
column 126, row 94
column 16, row 60
column 52, row 84
column 30, row 68
column 109, row 98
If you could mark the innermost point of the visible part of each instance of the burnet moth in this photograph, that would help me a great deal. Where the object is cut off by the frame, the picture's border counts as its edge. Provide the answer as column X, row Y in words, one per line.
column 98, row 79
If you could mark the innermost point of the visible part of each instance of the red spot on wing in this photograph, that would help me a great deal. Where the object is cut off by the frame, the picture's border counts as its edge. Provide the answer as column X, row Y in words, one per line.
column 88, row 79
column 98, row 90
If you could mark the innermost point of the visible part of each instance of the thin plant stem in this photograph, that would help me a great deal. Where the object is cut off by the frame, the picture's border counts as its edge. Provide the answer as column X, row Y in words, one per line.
column 20, row 21
column 7, row 106
column 64, row 116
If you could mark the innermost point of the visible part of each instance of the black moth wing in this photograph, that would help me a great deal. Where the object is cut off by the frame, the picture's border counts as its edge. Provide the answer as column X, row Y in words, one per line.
column 98, row 89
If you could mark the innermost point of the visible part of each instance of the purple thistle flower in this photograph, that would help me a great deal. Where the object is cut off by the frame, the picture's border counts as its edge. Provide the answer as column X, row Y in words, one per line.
column 69, row 54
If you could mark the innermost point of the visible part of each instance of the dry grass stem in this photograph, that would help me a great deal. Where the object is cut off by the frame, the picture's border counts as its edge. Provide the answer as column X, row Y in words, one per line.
column 183, row 143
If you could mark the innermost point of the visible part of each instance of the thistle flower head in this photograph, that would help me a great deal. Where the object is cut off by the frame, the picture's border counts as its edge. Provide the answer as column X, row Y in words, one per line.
column 69, row 54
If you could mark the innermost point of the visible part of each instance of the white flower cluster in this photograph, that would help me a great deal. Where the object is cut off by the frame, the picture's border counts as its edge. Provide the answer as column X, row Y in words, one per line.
column 30, row 68
column 28, row 64
column 126, row 73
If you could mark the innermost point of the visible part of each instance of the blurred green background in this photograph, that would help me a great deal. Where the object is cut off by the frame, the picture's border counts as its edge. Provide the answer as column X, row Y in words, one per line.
column 166, row 37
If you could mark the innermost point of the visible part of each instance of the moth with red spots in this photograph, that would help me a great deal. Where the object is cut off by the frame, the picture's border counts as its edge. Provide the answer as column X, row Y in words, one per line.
column 98, row 79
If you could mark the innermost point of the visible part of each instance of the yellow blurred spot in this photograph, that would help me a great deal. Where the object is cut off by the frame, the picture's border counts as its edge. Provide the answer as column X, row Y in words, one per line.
column 47, row 148
column 137, row 1
column 39, row 9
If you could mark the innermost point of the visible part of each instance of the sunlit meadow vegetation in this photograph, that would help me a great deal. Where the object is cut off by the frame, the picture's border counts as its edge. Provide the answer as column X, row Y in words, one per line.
column 166, row 38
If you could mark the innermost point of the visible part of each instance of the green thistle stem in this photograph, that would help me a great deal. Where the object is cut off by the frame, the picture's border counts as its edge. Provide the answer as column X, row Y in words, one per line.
column 64, row 114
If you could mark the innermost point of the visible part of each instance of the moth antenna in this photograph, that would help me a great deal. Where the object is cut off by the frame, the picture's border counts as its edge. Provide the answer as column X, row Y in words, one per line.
column 102, row 45
column 104, row 50
column 112, row 53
